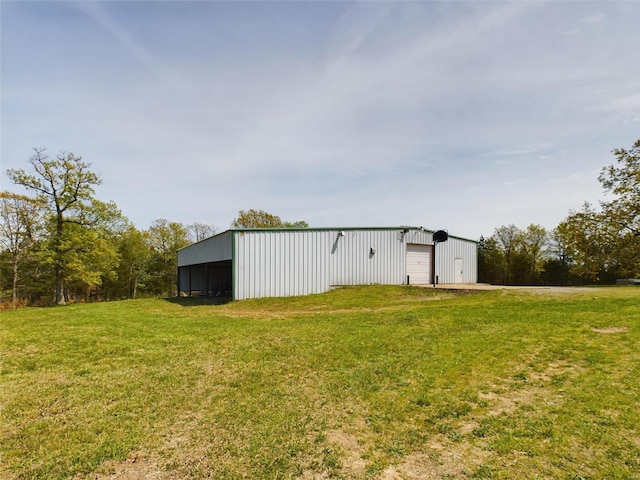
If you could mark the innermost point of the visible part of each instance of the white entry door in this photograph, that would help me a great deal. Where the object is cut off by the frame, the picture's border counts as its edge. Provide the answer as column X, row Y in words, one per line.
column 458, row 270
column 419, row 264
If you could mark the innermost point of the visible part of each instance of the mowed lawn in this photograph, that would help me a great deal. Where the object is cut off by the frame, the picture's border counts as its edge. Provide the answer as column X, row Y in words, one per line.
column 363, row 382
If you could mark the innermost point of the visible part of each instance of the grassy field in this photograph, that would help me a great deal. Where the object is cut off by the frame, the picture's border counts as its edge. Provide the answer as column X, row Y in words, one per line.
column 367, row 382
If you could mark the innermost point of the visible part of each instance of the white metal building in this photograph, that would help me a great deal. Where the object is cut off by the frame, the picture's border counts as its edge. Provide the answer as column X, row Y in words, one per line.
column 253, row 263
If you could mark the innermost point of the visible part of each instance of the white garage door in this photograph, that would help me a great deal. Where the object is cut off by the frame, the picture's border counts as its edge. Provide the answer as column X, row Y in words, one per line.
column 419, row 264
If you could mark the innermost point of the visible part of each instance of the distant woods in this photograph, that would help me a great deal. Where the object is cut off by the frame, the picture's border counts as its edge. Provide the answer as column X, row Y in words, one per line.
column 591, row 246
column 59, row 243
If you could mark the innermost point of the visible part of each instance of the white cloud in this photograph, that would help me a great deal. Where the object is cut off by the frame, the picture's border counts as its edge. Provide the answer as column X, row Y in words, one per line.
column 362, row 113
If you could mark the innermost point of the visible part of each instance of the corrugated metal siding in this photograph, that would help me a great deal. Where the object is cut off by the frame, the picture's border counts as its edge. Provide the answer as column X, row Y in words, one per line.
column 280, row 263
column 448, row 251
column 283, row 263
column 214, row 249
column 353, row 264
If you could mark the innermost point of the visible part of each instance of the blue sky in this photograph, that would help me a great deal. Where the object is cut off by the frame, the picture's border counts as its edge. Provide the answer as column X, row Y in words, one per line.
column 456, row 115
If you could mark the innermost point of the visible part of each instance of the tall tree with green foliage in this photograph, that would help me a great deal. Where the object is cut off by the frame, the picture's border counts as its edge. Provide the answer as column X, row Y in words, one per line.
column 623, row 181
column 534, row 244
column 261, row 219
column 491, row 262
column 134, row 261
column 555, row 270
column 605, row 244
column 507, row 238
column 66, row 185
column 621, row 215
column 91, row 259
column 165, row 238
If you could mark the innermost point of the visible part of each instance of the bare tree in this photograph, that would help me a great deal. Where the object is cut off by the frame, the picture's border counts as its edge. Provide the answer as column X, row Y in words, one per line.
column 20, row 226
column 200, row 231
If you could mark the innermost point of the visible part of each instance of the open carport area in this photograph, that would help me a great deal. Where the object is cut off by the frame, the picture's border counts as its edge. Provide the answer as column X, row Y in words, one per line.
column 211, row 279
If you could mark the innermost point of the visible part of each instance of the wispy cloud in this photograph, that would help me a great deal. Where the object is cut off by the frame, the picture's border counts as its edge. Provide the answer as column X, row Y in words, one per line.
column 595, row 18
column 338, row 113
column 521, row 150
column 97, row 12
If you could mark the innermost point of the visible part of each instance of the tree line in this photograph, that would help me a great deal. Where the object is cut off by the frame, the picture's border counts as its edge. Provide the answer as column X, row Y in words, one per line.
column 60, row 243
column 593, row 245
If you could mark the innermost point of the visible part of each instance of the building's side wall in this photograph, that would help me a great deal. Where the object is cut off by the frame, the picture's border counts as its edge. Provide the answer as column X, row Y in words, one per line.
column 280, row 263
column 288, row 263
column 214, row 249
column 446, row 254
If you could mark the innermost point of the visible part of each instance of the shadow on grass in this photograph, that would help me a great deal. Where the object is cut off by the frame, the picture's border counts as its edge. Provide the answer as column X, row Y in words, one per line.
column 198, row 301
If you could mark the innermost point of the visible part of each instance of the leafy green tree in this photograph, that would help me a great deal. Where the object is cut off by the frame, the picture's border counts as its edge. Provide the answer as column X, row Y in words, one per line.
column 605, row 245
column 621, row 215
column 165, row 238
column 520, row 267
column 66, row 185
column 134, row 263
column 261, row 219
column 534, row 244
column 555, row 270
column 586, row 243
column 623, row 181
column 20, row 228
column 491, row 263
column 507, row 238
column 91, row 259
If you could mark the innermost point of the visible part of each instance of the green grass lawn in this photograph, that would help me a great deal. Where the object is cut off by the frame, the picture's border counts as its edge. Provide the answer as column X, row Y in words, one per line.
column 366, row 382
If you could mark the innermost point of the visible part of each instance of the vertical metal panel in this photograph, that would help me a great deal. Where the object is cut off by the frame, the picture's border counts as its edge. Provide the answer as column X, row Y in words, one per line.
column 183, row 279
column 281, row 263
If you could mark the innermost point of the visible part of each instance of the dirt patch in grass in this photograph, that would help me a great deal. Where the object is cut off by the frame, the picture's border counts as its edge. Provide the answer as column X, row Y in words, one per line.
column 136, row 467
column 533, row 389
column 180, row 454
column 443, row 460
column 611, row 330
column 353, row 465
